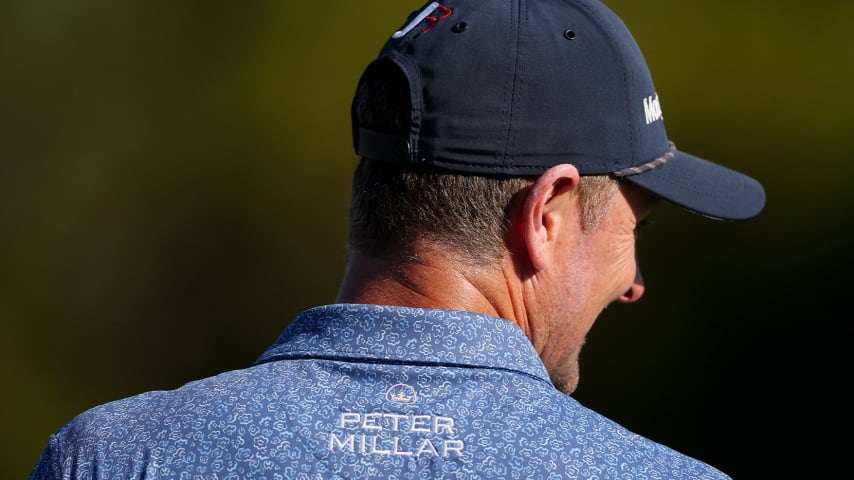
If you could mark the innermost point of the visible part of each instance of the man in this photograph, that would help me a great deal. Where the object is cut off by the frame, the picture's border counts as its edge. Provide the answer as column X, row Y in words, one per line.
column 510, row 150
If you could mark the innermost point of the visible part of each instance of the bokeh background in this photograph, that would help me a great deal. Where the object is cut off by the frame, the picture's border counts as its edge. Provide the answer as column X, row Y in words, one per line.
column 174, row 178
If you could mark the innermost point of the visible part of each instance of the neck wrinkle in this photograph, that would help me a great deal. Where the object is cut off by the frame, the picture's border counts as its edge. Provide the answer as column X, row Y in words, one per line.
column 430, row 279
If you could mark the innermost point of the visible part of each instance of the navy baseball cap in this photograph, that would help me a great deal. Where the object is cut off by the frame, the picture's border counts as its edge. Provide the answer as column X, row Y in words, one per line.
column 515, row 87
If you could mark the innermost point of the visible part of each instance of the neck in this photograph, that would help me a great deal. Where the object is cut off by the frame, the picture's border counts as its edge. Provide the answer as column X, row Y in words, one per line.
column 428, row 279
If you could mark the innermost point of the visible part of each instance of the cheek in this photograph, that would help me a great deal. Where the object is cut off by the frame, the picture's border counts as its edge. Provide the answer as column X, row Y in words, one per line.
column 621, row 261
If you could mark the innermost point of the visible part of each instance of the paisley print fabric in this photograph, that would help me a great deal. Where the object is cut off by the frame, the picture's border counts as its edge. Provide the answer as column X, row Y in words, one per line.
column 366, row 391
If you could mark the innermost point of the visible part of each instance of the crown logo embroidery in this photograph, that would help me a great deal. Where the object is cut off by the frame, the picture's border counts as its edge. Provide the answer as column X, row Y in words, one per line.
column 401, row 393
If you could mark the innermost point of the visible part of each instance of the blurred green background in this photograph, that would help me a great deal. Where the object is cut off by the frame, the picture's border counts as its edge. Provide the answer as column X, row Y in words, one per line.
column 174, row 179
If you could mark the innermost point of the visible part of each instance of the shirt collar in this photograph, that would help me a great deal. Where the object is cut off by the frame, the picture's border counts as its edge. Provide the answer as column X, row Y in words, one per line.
column 410, row 335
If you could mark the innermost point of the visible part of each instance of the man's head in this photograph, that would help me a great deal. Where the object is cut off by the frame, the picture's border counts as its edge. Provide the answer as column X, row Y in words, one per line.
column 395, row 205
column 514, row 87
column 525, row 138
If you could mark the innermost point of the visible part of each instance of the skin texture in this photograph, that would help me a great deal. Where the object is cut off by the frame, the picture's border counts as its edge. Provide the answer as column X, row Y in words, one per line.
column 576, row 270
column 556, row 277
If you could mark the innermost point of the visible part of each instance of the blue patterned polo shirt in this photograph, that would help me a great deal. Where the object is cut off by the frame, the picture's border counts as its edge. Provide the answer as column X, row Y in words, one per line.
column 366, row 391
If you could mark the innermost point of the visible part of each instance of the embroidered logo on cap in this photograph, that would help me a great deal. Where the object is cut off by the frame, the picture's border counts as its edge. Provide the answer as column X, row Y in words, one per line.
column 652, row 109
column 425, row 14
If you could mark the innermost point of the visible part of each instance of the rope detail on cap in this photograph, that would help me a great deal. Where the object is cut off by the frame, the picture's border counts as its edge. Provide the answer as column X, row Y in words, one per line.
column 649, row 165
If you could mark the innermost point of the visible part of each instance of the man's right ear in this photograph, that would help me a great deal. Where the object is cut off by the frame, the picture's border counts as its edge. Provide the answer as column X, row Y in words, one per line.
column 550, row 212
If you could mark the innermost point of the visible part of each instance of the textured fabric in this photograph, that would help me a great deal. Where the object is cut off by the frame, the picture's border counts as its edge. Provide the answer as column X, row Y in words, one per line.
column 515, row 87
column 362, row 391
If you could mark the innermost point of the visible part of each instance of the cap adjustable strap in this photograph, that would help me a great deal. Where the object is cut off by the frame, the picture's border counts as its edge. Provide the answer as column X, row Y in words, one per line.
column 649, row 165
column 383, row 146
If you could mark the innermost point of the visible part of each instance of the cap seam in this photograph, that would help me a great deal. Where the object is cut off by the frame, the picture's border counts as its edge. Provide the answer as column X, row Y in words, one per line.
column 410, row 70
column 511, row 67
column 627, row 105
column 519, row 75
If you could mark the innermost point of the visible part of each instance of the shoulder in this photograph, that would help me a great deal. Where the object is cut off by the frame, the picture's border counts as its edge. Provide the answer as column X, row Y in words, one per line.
column 118, row 439
column 604, row 448
column 202, row 398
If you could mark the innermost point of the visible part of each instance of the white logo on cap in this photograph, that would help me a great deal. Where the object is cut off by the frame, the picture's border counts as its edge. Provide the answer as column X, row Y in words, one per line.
column 652, row 109
column 415, row 21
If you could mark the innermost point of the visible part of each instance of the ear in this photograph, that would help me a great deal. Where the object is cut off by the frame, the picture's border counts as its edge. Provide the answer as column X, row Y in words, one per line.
column 550, row 210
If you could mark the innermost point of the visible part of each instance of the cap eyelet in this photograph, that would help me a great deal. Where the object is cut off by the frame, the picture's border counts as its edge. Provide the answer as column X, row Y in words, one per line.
column 459, row 28
column 569, row 35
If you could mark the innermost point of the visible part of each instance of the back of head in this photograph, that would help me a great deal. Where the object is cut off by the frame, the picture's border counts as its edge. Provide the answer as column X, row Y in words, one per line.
column 396, row 206
column 496, row 89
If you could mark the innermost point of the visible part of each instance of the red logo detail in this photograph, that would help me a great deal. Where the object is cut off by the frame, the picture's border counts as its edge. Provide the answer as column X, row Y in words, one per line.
column 446, row 12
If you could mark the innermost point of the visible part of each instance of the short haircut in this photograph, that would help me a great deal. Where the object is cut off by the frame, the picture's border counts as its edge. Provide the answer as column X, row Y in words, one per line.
column 393, row 206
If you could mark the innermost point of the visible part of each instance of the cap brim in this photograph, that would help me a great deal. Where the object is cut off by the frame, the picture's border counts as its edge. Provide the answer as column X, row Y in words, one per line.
column 703, row 187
